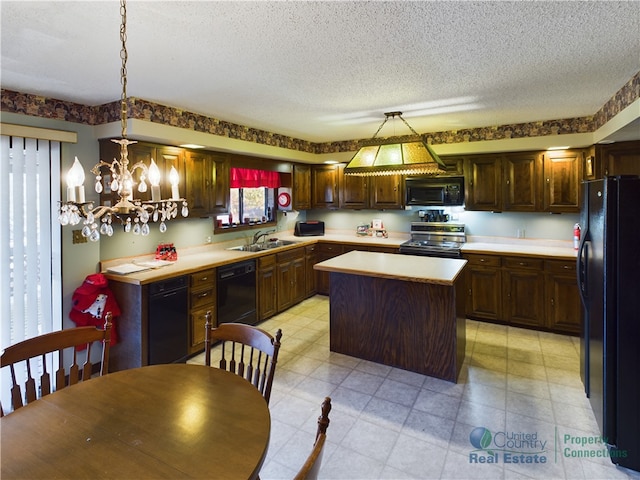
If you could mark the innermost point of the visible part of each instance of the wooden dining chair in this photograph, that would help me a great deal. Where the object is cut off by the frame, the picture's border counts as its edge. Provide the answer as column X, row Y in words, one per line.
column 309, row 470
column 247, row 351
column 35, row 353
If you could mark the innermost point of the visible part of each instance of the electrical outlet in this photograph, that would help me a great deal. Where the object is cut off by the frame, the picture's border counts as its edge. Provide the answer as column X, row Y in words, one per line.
column 77, row 237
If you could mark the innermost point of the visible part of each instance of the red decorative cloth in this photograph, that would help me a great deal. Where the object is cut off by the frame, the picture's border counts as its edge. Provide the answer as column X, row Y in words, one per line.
column 251, row 178
column 91, row 301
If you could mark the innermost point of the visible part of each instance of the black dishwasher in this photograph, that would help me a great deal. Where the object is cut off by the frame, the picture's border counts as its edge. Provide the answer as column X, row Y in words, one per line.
column 168, row 322
column 237, row 293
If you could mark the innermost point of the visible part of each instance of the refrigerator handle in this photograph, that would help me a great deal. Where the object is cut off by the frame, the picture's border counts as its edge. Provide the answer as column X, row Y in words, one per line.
column 581, row 268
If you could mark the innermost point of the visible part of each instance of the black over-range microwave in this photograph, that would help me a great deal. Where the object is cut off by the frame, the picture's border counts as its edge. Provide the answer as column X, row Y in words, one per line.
column 435, row 191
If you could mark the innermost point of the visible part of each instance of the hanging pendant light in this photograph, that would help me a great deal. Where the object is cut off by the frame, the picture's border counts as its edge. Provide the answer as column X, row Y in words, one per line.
column 127, row 210
column 409, row 155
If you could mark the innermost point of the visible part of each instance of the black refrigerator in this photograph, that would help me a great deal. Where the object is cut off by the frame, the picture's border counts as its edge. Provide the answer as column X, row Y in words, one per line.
column 609, row 282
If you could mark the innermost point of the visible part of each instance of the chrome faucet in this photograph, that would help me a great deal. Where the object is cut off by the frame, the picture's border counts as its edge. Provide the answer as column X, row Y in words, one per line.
column 258, row 235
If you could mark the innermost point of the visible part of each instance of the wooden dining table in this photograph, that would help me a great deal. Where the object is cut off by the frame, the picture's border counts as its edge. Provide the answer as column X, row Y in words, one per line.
column 160, row 421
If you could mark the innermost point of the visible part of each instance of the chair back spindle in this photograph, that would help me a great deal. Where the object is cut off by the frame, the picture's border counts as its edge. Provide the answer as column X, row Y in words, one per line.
column 246, row 351
column 34, row 355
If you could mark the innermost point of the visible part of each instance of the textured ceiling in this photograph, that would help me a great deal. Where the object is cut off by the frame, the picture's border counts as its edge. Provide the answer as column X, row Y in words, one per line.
column 327, row 71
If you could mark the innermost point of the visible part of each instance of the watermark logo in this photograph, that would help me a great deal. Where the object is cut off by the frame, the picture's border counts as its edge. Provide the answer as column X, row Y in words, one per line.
column 506, row 447
column 480, row 438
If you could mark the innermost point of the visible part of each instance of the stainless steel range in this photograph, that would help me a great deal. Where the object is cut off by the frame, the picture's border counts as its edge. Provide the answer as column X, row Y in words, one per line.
column 435, row 239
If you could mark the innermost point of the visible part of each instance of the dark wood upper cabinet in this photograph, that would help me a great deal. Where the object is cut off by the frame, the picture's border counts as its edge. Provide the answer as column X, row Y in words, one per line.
column 562, row 175
column 522, row 181
column 622, row 158
column 207, row 183
column 386, row 192
column 483, row 179
column 354, row 193
column 325, row 182
column 301, row 190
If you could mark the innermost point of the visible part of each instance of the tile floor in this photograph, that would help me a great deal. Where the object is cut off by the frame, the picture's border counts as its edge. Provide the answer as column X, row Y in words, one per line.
column 387, row 423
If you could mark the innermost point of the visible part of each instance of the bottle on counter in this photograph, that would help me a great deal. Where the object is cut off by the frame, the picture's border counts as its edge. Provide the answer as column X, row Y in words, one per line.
column 576, row 236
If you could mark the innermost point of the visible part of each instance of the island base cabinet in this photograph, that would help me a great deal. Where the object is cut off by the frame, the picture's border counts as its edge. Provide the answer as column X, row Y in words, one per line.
column 415, row 326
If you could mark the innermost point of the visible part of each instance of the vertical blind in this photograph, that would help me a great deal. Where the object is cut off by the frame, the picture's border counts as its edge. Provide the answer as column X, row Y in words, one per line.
column 30, row 256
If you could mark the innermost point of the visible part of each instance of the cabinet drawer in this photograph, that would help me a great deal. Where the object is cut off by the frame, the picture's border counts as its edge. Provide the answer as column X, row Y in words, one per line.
column 523, row 263
column 483, row 260
column 203, row 297
column 560, row 266
column 290, row 255
column 204, row 278
column 334, row 248
column 266, row 261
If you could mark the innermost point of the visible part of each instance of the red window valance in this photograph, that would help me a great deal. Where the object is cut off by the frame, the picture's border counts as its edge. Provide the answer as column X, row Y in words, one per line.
column 250, row 178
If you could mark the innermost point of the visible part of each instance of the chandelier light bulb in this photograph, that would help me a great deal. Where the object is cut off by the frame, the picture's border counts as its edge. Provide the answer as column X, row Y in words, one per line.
column 174, row 179
column 75, row 181
column 154, row 180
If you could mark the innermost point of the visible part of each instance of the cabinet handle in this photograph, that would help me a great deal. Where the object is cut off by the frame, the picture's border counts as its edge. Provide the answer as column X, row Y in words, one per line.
column 523, row 264
column 202, row 295
column 508, row 181
column 548, row 180
column 566, row 267
column 553, row 303
column 482, row 260
column 204, row 279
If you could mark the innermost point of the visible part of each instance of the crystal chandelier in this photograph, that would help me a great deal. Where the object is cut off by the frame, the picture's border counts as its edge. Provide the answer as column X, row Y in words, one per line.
column 132, row 213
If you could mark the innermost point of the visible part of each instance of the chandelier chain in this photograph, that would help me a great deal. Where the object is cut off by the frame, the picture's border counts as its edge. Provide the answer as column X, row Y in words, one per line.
column 123, row 70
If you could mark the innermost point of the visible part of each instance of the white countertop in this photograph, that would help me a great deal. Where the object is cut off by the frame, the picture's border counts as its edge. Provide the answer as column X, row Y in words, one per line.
column 194, row 259
column 409, row 268
column 517, row 246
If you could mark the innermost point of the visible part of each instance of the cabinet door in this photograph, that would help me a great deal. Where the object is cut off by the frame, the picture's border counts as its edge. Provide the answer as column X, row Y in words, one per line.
column 298, row 275
column 355, row 192
column 622, row 158
column 311, row 258
column 562, row 298
column 267, row 287
column 171, row 157
column 485, row 298
column 386, row 192
column 563, row 304
column 562, row 174
column 523, row 292
column 220, row 188
column 483, row 180
column 197, row 322
column 301, row 187
column 324, row 186
column 285, row 279
column 522, row 174
column 199, row 180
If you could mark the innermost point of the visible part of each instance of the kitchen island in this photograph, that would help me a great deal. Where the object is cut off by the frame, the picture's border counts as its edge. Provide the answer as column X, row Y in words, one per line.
column 404, row 311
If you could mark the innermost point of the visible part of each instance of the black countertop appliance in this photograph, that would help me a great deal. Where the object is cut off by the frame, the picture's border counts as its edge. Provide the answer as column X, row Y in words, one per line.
column 608, row 277
column 309, row 229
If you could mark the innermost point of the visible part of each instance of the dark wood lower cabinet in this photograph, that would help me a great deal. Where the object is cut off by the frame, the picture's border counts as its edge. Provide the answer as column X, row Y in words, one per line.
column 563, row 306
column 267, row 287
column 290, row 273
column 523, row 292
column 528, row 292
column 484, row 280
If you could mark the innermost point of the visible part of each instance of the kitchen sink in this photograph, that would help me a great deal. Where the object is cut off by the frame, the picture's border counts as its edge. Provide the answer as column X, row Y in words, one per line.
column 267, row 245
